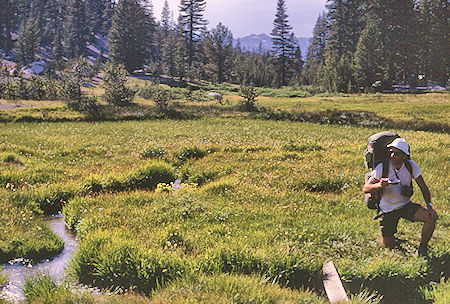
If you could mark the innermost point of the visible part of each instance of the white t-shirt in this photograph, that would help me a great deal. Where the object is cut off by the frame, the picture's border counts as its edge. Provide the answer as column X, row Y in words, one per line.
column 392, row 198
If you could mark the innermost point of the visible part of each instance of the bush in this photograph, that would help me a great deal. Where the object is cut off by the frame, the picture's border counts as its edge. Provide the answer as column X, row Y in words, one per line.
column 36, row 88
column 72, row 94
column 114, row 81
column 249, row 93
column 162, row 98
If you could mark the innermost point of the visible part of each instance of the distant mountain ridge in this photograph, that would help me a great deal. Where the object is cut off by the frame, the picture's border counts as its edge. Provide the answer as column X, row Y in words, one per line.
column 252, row 43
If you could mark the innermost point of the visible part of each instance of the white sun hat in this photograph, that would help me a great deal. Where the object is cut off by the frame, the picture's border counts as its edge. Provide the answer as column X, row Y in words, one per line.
column 401, row 144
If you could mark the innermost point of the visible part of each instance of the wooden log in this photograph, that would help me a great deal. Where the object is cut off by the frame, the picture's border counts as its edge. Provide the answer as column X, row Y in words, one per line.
column 333, row 285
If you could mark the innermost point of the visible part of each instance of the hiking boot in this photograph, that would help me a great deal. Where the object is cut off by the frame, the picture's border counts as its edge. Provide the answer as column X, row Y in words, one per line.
column 422, row 253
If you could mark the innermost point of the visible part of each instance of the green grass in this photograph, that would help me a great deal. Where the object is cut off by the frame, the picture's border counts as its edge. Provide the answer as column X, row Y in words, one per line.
column 437, row 293
column 427, row 112
column 274, row 199
column 42, row 289
column 24, row 234
column 3, row 277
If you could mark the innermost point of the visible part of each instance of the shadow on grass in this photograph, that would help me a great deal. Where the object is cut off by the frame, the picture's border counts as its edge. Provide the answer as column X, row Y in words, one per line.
column 354, row 118
column 180, row 111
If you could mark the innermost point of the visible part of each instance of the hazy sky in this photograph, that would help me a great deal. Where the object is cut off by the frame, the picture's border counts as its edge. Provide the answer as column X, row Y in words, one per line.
column 245, row 17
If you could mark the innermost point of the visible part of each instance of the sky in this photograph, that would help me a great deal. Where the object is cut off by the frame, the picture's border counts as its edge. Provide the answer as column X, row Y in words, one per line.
column 245, row 17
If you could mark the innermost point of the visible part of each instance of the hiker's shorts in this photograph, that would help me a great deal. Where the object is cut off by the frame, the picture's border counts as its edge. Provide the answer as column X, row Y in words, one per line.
column 389, row 221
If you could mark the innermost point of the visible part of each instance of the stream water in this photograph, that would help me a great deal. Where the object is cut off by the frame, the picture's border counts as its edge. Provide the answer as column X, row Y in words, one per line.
column 18, row 270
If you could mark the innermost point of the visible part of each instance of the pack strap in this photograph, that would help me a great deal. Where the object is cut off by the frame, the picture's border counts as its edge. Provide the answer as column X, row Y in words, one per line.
column 409, row 167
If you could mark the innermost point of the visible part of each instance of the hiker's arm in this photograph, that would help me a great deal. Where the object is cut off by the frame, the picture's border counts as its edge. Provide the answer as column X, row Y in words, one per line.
column 427, row 197
column 373, row 184
column 424, row 188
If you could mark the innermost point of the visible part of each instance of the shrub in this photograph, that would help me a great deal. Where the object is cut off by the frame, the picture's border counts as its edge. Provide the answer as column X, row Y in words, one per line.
column 71, row 91
column 158, row 94
column 114, row 81
column 249, row 93
column 36, row 88
column 148, row 91
column 162, row 98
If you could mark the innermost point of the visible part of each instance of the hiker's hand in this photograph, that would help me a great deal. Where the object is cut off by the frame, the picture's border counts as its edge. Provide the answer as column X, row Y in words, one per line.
column 384, row 182
column 432, row 213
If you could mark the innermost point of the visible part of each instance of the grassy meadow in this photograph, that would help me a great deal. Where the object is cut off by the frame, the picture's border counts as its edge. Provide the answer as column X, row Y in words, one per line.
column 264, row 202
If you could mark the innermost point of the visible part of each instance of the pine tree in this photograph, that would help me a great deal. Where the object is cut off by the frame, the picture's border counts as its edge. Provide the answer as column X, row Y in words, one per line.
column 425, row 41
column 297, row 65
column 76, row 29
column 439, row 47
column 345, row 22
column 370, row 64
column 7, row 21
column 53, row 21
column 153, row 39
column 282, row 42
column 165, row 18
column 192, row 24
column 169, row 51
column 107, row 16
column 219, row 51
column 96, row 13
column 129, row 35
column 316, row 49
column 181, row 57
column 403, row 41
column 116, row 91
column 28, row 43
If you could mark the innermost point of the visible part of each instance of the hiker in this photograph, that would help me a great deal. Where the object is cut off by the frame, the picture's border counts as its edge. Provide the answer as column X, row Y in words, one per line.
column 396, row 201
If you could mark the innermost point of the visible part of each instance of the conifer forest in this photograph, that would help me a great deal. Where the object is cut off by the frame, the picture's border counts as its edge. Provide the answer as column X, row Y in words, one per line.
column 356, row 44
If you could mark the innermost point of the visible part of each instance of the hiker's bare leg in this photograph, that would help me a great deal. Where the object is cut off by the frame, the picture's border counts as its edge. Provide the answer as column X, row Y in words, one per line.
column 387, row 241
column 429, row 220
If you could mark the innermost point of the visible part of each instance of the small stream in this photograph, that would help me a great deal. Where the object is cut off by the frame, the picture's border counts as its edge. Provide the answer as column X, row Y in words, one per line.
column 18, row 270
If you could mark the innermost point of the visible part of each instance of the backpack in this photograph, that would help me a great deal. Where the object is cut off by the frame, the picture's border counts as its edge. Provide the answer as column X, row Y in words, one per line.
column 378, row 152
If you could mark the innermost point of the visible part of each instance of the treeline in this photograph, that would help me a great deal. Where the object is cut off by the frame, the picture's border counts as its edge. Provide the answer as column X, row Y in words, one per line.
column 365, row 43
column 356, row 44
